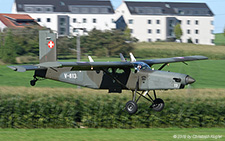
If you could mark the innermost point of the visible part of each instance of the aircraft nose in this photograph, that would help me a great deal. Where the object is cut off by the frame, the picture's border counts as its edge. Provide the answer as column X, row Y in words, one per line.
column 189, row 80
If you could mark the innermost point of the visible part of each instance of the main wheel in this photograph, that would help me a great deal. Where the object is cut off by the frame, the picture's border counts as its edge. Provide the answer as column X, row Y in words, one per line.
column 158, row 105
column 131, row 107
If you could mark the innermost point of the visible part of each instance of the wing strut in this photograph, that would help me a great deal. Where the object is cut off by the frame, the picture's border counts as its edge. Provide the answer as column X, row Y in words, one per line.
column 163, row 66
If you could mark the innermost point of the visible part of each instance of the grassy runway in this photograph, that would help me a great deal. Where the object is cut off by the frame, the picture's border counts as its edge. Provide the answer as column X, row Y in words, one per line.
column 154, row 134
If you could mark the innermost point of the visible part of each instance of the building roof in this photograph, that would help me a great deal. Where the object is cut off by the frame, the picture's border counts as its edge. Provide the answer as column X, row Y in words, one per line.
column 63, row 5
column 17, row 20
column 165, row 8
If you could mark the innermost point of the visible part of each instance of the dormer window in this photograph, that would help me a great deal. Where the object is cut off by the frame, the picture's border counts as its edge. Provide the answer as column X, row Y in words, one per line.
column 62, row 3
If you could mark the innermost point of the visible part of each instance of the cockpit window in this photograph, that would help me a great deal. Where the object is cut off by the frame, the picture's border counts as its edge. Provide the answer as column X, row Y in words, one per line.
column 141, row 66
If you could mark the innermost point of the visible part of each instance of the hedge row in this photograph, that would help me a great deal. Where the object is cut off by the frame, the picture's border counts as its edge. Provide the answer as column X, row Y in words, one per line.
column 105, row 111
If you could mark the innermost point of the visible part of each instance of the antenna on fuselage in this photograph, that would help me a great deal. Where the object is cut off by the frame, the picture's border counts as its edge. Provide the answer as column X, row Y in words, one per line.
column 132, row 58
column 122, row 58
column 90, row 59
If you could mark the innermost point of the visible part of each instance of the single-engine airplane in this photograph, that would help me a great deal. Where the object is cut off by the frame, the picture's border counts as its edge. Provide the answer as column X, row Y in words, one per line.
column 133, row 75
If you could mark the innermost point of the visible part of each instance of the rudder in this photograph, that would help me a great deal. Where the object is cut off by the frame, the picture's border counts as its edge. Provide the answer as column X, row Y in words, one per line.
column 47, row 46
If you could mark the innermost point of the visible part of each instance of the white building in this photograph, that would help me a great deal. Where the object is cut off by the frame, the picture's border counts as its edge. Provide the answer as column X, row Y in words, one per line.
column 154, row 21
column 67, row 16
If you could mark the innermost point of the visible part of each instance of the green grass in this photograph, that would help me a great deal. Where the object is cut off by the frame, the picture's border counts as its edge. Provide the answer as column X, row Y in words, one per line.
column 208, row 73
column 154, row 134
column 219, row 39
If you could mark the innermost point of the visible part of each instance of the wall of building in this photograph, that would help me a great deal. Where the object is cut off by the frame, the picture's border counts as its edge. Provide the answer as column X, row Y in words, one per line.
column 2, row 26
column 204, row 27
column 140, row 26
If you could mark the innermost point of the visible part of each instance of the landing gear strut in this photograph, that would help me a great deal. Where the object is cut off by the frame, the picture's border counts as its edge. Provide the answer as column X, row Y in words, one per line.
column 33, row 82
column 157, row 103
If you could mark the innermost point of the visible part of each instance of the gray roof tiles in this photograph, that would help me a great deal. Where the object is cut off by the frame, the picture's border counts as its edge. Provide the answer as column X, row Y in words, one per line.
column 174, row 8
column 63, row 5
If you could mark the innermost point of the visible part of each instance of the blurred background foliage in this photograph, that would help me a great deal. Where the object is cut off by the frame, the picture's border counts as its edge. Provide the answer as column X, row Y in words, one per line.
column 25, row 42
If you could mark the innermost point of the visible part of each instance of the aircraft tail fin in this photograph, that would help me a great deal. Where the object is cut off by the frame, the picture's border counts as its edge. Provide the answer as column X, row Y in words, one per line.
column 122, row 58
column 132, row 58
column 47, row 46
column 90, row 59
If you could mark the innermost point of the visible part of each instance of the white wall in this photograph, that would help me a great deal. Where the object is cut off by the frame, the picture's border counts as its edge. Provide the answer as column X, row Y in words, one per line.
column 140, row 26
column 204, row 27
column 103, row 21
column 2, row 26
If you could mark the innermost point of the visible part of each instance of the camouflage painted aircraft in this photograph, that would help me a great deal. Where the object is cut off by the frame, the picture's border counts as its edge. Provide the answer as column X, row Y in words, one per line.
column 133, row 75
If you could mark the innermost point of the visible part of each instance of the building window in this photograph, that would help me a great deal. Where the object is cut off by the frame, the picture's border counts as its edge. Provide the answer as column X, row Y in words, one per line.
column 38, row 19
column 158, row 31
column 48, row 9
column 131, row 21
column 212, row 32
column 158, row 22
column 39, row 9
column 94, row 10
column 74, row 20
column 75, row 30
column 212, row 23
column 196, row 41
column 62, row 31
column 131, row 31
column 62, row 21
column 196, row 32
column 48, row 20
column 149, row 31
column 84, row 10
column 29, row 9
column 20, row 6
column 149, row 21
column 94, row 21
column 212, row 41
column 84, row 20
column 149, row 40
column 196, row 22
column 188, row 31
column 188, row 22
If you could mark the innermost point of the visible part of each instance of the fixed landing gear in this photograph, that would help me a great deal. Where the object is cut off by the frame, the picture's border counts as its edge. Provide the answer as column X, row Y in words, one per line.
column 157, row 103
column 33, row 82
column 131, row 107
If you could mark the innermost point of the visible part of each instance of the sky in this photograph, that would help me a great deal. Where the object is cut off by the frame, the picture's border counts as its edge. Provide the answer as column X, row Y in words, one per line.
column 217, row 6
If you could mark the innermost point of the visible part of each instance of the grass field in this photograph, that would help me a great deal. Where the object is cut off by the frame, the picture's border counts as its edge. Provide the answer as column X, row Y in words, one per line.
column 220, row 39
column 156, row 134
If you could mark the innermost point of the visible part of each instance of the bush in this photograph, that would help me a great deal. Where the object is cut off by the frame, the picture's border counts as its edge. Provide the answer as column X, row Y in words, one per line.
column 105, row 111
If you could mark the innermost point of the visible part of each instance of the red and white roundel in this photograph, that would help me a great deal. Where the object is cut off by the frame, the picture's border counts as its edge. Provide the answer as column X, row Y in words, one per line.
column 51, row 44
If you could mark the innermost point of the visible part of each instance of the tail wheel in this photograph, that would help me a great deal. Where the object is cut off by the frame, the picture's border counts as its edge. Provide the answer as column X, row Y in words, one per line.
column 32, row 82
column 131, row 107
column 158, row 105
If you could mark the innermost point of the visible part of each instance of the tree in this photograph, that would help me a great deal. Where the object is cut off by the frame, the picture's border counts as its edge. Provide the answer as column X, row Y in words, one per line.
column 9, row 49
column 106, row 43
column 178, row 31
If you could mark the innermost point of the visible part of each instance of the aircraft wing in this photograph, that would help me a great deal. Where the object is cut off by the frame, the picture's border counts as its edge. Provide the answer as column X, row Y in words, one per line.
column 102, row 65
column 173, row 60
column 26, row 68
column 86, row 65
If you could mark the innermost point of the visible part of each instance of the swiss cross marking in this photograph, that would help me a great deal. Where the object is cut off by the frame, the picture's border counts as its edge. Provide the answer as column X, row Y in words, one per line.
column 51, row 44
